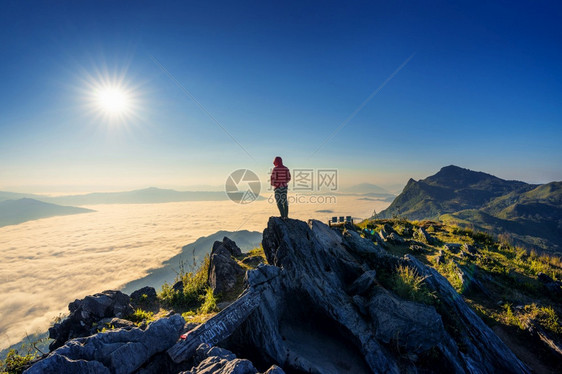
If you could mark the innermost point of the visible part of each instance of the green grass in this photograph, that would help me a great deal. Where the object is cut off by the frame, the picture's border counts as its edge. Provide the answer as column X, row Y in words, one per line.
column 409, row 285
column 140, row 316
column 209, row 300
column 258, row 251
column 194, row 285
column 15, row 362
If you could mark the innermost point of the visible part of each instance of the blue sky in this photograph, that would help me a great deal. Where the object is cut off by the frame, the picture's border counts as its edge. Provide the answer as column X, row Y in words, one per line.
column 482, row 89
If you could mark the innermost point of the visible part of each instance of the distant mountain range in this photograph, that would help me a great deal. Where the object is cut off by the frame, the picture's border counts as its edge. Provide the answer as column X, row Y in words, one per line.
column 367, row 191
column 21, row 210
column 364, row 188
column 530, row 214
column 145, row 196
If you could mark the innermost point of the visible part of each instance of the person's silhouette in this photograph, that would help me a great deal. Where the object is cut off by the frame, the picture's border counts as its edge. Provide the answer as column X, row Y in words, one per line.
column 280, row 177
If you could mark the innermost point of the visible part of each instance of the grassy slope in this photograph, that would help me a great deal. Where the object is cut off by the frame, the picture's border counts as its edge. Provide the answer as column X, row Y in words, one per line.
column 512, row 294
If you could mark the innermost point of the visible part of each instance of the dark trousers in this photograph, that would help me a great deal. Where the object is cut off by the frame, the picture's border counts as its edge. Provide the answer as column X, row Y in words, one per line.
column 282, row 202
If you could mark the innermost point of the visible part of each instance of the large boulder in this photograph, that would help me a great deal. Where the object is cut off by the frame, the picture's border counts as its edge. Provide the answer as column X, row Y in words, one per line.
column 224, row 271
column 230, row 246
column 143, row 296
column 84, row 313
column 116, row 352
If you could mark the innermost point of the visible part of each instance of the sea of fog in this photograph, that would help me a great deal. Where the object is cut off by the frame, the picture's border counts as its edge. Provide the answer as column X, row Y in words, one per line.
column 50, row 262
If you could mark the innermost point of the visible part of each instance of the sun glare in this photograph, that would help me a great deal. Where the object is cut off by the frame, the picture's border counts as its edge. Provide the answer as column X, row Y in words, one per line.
column 113, row 100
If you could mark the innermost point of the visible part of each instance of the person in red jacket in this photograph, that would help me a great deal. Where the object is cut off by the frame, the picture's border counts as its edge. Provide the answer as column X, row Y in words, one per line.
column 280, row 177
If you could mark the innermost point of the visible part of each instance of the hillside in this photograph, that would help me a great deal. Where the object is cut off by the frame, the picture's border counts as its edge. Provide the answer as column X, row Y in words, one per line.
column 530, row 214
column 13, row 212
column 385, row 296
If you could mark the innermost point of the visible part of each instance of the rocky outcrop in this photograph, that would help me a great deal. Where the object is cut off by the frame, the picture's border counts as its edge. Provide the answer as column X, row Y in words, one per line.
column 224, row 271
column 86, row 312
column 215, row 360
column 318, row 307
column 113, row 352
column 423, row 236
column 229, row 245
column 144, row 296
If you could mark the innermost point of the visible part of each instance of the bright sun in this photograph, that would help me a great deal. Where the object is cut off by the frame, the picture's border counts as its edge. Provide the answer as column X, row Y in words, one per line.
column 113, row 100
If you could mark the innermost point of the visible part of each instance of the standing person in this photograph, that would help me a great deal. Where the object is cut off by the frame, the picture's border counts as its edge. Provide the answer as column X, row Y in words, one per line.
column 280, row 177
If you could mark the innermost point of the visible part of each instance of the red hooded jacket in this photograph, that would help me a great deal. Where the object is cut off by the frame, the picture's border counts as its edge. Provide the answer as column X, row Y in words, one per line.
column 280, row 176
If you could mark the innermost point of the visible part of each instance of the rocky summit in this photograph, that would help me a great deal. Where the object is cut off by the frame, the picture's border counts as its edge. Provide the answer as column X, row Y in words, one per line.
column 317, row 306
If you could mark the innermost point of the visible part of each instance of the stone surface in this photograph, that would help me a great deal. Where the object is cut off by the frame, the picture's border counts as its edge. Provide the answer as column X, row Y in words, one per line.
column 324, row 293
column 452, row 247
column 214, row 360
column 116, row 351
column 223, row 269
column 396, row 239
column 229, row 245
column 469, row 249
column 85, row 312
column 110, row 324
column 486, row 353
column 143, row 296
column 423, row 236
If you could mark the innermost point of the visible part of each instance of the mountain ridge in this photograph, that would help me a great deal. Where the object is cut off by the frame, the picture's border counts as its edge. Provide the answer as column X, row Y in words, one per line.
column 531, row 214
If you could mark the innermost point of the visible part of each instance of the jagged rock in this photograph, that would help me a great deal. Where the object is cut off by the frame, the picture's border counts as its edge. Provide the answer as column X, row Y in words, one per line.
column 178, row 286
column 387, row 229
column 354, row 242
column 274, row 369
column 230, row 246
column 320, row 291
column 440, row 258
column 364, row 283
column 535, row 329
column 111, row 323
column 221, row 361
column 84, row 313
column 385, row 232
column 469, row 249
column 143, row 296
column 396, row 239
column 469, row 281
column 407, row 232
column 57, row 364
column 416, row 248
column 116, row 352
column 223, row 269
column 412, row 326
column 485, row 352
column 452, row 247
column 423, row 236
